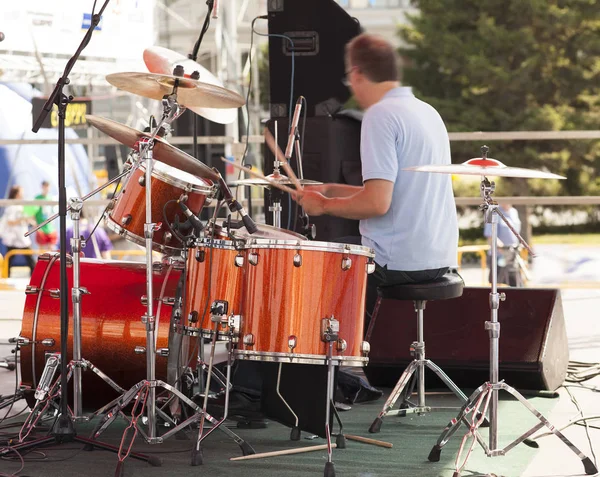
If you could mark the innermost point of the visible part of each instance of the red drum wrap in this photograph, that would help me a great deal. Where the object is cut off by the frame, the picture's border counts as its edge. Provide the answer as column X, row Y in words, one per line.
column 128, row 214
column 290, row 288
column 110, row 322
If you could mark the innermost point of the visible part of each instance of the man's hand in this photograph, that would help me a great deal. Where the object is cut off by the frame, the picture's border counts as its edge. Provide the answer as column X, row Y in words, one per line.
column 312, row 202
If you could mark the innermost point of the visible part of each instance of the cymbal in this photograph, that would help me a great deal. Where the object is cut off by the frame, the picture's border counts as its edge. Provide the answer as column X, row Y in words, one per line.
column 163, row 61
column 163, row 151
column 484, row 166
column 189, row 93
column 281, row 179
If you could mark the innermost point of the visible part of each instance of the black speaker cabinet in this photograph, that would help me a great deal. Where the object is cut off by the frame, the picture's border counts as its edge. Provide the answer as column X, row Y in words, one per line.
column 318, row 30
column 533, row 341
column 331, row 154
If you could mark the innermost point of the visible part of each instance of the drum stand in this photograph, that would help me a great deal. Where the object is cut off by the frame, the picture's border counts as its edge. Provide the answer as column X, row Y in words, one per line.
column 144, row 392
column 487, row 393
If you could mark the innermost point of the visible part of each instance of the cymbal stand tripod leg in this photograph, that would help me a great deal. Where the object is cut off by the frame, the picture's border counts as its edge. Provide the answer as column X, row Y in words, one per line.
column 489, row 390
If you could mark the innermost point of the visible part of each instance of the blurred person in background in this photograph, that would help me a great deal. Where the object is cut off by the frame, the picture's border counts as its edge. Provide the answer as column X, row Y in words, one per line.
column 96, row 246
column 14, row 224
column 507, row 246
column 46, row 237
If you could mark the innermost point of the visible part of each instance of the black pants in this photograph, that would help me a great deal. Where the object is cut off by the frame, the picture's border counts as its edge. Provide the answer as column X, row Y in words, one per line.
column 382, row 277
column 28, row 258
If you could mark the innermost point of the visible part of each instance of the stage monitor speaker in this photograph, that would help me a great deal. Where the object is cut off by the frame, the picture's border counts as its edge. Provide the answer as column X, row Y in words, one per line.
column 319, row 30
column 534, row 351
column 331, row 154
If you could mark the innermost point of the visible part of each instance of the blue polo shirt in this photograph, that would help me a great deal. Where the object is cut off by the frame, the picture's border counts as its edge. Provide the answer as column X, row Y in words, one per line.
column 420, row 229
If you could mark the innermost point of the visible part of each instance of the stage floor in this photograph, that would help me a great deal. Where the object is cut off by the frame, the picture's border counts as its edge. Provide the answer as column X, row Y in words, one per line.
column 412, row 437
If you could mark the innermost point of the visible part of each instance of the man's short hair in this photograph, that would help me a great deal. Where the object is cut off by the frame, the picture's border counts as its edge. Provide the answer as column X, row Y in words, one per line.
column 374, row 56
column 45, row 183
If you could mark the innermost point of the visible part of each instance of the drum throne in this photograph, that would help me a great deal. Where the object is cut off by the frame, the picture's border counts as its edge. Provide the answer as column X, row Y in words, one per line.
column 448, row 286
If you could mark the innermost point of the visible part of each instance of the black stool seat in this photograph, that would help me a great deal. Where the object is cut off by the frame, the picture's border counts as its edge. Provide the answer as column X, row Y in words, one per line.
column 449, row 286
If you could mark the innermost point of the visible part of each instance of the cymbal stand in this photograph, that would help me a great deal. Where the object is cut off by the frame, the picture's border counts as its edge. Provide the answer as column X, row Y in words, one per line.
column 144, row 392
column 276, row 194
column 487, row 394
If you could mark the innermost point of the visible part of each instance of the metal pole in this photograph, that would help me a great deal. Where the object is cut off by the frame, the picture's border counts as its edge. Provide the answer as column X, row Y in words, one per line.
column 76, row 293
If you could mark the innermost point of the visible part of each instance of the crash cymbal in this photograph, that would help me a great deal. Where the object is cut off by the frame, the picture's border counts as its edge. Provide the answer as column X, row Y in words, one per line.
column 485, row 166
column 190, row 93
column 163, row 61
column 163, row 151
column 280, row 179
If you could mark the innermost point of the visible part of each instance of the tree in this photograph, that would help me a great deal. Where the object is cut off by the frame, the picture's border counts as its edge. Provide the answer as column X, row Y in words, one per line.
column 509, row 65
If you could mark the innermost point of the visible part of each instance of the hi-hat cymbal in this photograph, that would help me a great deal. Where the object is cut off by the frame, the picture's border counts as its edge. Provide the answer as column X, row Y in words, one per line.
column 281, row 179
column 163, row 61
column 163, row 151
column 190, row 93
column 484, row 166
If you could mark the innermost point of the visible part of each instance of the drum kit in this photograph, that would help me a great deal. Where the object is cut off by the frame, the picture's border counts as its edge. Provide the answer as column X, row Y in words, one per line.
column 215, row 281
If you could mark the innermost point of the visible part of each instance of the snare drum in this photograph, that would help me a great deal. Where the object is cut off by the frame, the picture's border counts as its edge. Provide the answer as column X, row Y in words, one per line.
column 111, row 326
column 128, row 214
column 225, row 277
column 296, row 293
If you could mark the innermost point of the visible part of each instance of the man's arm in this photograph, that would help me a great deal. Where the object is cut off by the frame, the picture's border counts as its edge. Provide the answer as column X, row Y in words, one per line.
column 335, row 190
column 371, row 200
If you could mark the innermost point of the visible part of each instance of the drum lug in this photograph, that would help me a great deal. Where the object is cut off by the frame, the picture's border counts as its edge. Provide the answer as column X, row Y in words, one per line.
column 21, row 341
column 158, row 267
column 193, row 317
column 163, row 352
column 49, row 342
column 292, row 342
column 46, row 257
column 169, row 301
column 142, row 181
column 297, row 260
column 365, row 348
column 253, row 258
column 111, row 205
column 139, row 350
column 54, row 292
column 249, row 339
column 370, row 266
column 167, row 237
column 239, row 260
column 126, row 220
column 176, row 262
column 341, row 345
column 31, row 290
column 346, row 263
column 234, row 322
column 330, row 329
column 200, row 255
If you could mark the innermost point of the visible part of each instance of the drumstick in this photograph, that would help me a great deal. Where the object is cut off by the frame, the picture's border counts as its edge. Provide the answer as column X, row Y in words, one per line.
column 300, row 450
column 367, row 440
column 237, row 165
column 281, row 158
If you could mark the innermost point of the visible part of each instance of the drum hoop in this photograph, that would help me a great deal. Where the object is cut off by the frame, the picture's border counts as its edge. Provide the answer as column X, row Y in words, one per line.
column 136, row 239
column 216, row 243
column 310, row 245
column 205, row 189
column 275, row 357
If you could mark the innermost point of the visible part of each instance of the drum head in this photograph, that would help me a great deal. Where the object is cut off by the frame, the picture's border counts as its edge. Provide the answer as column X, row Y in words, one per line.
column 176, row 177
column 264, row 232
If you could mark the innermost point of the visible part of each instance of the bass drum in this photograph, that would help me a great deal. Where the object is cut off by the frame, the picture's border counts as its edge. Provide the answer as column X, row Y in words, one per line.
column 111, row 325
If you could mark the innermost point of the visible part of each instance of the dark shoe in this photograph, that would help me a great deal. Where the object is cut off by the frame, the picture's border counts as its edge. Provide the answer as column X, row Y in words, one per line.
column 241, row 405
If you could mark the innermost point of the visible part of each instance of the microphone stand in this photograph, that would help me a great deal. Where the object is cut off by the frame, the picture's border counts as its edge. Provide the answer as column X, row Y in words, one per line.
column 63, row 429
column 194, row 56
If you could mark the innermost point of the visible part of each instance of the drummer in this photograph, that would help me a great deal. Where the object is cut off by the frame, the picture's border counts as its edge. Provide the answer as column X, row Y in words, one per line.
column 408, row 218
